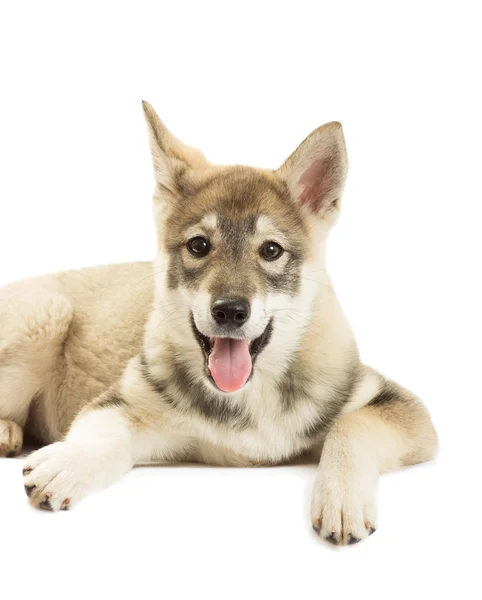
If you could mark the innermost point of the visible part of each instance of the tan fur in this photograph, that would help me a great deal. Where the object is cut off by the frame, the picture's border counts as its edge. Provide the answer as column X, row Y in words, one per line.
column 66, row 338
column 103, row 363
column 11, row 438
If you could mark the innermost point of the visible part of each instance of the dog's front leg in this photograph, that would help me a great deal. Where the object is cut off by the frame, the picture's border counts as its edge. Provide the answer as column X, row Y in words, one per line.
column 98, row 450
column 111, row 434
column 392, row 429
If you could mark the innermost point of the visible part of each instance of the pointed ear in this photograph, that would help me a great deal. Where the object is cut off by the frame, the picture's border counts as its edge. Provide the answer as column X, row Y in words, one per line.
column 171, row 158
column 316, row 171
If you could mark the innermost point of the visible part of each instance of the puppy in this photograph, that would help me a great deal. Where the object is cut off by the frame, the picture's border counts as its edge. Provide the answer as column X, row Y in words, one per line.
column 229, row 349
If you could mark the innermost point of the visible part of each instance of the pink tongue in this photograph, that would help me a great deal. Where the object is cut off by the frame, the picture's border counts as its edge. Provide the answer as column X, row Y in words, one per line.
column 230, row 363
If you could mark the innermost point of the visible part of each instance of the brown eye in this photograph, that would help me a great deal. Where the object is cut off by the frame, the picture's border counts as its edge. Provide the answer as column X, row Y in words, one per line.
column 198, row 246
column 271, row 251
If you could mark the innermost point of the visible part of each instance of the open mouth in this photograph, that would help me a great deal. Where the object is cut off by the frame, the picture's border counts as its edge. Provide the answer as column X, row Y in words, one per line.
column 229, row 361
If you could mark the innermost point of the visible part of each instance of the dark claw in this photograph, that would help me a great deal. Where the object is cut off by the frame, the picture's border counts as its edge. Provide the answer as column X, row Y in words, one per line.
column 45, row 504
column 317, row 527
column 353, row 540
column 26, row 471
column 29, row 489
column 332, row 539
column 372, row 530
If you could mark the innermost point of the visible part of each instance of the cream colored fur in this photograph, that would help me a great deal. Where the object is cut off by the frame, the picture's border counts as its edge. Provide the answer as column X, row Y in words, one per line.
column 72, row 344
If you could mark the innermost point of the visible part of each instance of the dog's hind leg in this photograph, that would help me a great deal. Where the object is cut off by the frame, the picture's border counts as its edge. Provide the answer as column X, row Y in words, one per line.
column 11, row 438
column 33, row 327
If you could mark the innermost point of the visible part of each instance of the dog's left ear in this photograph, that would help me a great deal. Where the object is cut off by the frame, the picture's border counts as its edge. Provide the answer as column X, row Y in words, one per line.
column 172, row 159
column 316, row 171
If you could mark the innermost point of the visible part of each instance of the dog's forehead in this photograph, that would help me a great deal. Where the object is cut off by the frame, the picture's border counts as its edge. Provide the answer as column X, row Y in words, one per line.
column 249, row 225
column 238, row 199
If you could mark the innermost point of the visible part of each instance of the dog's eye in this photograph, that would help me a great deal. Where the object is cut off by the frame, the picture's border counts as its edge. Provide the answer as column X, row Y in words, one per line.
column 271, row 251
column 198, row 246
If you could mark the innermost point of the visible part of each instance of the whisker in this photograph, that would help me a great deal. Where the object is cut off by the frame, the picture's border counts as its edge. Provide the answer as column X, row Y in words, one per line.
column 153, row 274
column 307, row 327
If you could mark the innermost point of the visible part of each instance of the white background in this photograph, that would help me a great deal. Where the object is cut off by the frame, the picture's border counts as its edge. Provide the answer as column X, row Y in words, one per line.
column 246, row 81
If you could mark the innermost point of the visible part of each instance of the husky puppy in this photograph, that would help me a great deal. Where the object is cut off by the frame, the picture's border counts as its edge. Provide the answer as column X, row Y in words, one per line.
column 229, row 349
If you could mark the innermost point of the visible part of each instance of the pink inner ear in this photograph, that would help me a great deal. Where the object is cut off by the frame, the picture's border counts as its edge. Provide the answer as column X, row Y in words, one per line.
column 316, row 183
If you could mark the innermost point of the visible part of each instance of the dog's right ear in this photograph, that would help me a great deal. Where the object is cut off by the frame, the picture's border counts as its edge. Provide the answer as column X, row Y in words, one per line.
column 171, row 158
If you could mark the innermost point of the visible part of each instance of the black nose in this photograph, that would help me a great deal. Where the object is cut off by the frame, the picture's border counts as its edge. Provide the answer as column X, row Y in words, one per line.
column 231, row 313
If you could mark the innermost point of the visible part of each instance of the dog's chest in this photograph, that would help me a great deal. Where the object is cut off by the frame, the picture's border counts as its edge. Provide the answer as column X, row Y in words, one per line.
column 260, row 426
column 278, row 416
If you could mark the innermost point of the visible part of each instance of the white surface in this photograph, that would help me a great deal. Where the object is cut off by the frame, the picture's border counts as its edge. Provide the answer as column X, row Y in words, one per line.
column 246, row 83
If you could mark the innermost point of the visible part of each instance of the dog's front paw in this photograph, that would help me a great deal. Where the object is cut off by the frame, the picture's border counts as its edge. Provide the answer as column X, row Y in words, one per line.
column 58, row 476
column 343, row 509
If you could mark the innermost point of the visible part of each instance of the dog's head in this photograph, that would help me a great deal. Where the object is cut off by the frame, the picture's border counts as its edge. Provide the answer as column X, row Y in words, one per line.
column 235, row 243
